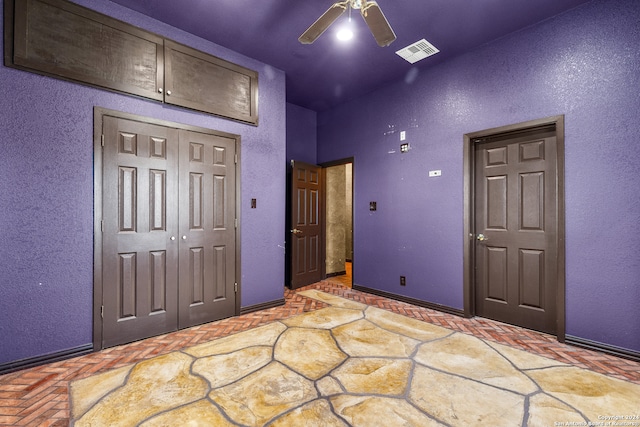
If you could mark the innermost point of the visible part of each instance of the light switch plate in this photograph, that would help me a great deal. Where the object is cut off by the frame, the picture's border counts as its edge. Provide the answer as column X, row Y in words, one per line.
column 435, row 173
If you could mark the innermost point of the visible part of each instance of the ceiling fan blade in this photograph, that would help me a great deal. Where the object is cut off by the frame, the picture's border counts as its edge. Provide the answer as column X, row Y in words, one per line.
column 377, row 23
column 322, row 23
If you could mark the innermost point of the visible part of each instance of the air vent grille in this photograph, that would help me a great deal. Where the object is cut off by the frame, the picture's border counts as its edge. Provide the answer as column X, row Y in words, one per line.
column 417, row 51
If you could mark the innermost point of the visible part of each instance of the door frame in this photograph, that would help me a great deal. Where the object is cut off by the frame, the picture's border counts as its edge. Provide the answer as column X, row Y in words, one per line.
column 324, row 167
column 323, row 223
column 469, row 256
column 98, row 118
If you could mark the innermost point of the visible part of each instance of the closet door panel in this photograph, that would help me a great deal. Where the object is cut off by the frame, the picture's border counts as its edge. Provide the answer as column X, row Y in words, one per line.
column 207, row 228
column 139, row 244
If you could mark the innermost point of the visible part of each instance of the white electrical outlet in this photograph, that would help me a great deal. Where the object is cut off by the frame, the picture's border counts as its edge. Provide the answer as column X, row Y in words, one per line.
column 403, row 135
column 435, row 173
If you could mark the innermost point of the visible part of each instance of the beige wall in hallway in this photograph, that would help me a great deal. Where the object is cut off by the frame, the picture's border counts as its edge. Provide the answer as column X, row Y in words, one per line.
column 339, row 218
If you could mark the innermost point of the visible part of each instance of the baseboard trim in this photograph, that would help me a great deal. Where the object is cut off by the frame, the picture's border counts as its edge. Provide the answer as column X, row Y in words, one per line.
column 262, row 306
column 337, row 273
column 603, row 348
column 57, row 356
column 413, row 301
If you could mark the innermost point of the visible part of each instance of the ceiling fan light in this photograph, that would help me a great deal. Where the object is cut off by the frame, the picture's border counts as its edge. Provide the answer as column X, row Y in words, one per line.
column 344, row 34
column 370, row 11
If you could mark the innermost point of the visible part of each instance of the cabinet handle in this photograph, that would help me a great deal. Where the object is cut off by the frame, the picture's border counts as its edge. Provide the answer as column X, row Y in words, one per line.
column 168, row 93
column 159, row 90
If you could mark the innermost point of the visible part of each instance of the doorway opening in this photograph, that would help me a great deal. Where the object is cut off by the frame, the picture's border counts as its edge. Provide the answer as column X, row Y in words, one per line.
column 514, row 257
column 320, row 223
column 339, row 222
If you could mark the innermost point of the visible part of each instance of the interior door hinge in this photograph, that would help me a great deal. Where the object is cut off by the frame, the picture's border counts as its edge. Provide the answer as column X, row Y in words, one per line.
column 235, row 287
column 102, row 311
column 235, row 159
column 102, row 139
column 236, row 222
column 102, row 225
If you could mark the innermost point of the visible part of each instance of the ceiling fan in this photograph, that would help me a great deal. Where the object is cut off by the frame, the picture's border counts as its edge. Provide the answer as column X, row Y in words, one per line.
column 371, row 13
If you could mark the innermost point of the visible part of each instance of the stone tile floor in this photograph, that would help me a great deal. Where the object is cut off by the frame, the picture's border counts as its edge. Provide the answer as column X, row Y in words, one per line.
column 350, row 364
column 40, row 396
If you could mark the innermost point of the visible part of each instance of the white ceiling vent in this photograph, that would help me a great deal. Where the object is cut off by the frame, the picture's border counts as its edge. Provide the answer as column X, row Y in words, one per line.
column 417, row 51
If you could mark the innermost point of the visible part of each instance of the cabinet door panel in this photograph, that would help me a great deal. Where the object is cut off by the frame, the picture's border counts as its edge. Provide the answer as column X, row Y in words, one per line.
column 196, row 80
column 66, row 40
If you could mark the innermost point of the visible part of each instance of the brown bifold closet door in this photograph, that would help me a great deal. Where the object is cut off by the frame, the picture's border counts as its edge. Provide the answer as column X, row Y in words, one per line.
column 169, row 229
column 516, row 227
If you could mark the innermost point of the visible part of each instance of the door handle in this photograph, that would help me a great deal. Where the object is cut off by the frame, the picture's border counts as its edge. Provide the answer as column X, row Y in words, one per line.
column 481, row 238
column 296, row 231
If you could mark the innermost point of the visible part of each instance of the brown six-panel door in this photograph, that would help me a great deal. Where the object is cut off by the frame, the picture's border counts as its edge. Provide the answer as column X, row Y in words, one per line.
column 306, row 227
column 207, row 228
column 516, row 229
column 140, row 252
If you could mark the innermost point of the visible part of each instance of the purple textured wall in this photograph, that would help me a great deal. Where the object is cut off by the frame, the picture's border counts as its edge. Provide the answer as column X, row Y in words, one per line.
column 301, row 134
column 46, row 195
column 584, row 64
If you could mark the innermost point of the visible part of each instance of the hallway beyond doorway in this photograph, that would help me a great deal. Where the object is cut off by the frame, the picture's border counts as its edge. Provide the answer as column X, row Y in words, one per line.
column 345, row 279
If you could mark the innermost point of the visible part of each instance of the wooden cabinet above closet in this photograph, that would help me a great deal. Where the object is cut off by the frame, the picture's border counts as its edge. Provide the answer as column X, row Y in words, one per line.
column 196, row 80
column 64, row 40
